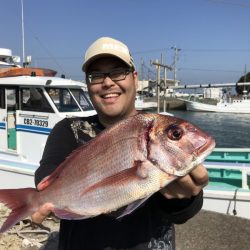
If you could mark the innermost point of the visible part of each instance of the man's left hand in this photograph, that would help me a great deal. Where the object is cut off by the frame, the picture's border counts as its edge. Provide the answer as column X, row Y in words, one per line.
column 187, row 186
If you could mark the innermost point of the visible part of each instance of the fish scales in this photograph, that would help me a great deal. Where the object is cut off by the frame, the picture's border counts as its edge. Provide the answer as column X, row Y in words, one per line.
column 124, row 194
column 123, row 166
column 106, row 158
column 107, row 150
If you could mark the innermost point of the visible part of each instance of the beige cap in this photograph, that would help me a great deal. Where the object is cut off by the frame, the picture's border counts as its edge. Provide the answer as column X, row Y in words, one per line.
column 106, row 46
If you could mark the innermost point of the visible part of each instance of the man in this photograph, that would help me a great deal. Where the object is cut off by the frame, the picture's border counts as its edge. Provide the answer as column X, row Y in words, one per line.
column 112, row 81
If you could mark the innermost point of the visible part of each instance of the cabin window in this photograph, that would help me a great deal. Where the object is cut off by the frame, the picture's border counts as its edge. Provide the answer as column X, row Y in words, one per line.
column 82, row 99
column 12, row 103
column 63, row 100
column 2, row 98
column 33, row 99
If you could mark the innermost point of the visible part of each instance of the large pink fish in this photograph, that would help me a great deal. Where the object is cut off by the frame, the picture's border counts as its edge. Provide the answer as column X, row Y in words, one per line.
column 121, row 167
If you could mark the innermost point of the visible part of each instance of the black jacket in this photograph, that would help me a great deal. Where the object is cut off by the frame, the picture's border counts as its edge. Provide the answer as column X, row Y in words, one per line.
column 149, row 227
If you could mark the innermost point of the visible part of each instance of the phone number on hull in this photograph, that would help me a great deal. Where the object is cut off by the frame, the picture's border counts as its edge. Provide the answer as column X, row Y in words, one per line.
column 35, row 122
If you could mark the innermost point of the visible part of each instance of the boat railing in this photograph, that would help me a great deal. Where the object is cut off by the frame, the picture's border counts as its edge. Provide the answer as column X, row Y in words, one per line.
column 243, row 168
column 230, row 166
column 233, row 155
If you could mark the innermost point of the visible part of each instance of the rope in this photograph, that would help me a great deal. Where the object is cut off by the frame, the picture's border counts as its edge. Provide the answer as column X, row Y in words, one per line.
column 27, row 229
column 235, row 194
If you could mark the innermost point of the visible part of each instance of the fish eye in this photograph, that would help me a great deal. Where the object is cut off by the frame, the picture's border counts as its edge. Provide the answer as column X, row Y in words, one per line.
column 174, row 132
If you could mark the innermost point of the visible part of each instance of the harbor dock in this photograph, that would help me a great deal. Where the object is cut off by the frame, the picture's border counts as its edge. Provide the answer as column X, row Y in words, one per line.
column 213, row 231
column 172, row 103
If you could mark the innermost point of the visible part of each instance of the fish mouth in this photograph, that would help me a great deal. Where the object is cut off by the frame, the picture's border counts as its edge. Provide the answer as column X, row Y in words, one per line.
column 204, row 151
column 207, row 147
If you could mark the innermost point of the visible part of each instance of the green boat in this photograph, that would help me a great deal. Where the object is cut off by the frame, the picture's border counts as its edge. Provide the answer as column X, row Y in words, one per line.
column 238, row 155
column 228, row 190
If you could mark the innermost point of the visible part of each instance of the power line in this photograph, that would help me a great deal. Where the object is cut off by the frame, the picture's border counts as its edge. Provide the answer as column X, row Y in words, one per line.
column 216, row 50
column 216, row 70
column 242, row 4
column 150, row 51
column 61, row 58
column 51, row 56
column 192, row 50
column 143, row 51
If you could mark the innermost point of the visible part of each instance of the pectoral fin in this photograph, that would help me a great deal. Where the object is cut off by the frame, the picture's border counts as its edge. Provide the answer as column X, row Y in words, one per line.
column 132, row 207
column 68, row 214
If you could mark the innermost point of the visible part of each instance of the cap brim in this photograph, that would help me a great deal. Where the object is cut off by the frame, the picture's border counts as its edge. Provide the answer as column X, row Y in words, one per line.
column 93, row 58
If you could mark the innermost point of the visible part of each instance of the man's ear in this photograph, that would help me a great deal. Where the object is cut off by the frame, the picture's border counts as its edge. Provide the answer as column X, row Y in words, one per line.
column 135, row 76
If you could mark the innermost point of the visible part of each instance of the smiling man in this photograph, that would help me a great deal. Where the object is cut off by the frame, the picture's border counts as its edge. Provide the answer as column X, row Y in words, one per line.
column 112, row 81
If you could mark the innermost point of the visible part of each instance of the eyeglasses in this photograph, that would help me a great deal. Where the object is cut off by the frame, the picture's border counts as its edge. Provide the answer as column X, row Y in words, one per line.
column 115, row 75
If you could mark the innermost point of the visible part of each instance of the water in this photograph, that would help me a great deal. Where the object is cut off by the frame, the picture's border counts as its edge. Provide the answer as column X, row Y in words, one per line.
column 229, row 130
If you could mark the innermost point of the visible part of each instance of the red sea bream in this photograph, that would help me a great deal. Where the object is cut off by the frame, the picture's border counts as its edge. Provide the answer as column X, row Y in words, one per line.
column 121, row 167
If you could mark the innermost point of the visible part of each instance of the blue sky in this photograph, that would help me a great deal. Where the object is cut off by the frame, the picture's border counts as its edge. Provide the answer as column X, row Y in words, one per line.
column 213, row 35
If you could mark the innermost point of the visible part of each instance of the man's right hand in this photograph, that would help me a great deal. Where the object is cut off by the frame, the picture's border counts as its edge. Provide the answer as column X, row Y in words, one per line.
column 42, row 213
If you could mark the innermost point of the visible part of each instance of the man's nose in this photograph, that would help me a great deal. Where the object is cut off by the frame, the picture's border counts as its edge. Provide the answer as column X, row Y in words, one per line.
column 107, row 81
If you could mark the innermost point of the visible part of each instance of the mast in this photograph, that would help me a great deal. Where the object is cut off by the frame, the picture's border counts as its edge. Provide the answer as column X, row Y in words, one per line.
column 23, row 34
column 244, row 87
column 245, row 77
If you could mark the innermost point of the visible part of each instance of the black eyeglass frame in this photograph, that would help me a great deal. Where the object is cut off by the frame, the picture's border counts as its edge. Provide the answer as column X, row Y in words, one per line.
column 103, row 75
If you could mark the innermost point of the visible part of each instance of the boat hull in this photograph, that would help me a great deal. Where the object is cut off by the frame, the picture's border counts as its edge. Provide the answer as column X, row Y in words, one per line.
column 16, row 176
column 230, row 202
column 141, row 105
column 242, row 107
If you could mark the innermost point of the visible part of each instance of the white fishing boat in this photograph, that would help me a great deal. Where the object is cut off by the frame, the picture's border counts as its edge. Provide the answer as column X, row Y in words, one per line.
column 141, row 104
column 228, row 191
column 225, row 105
column 32, row 101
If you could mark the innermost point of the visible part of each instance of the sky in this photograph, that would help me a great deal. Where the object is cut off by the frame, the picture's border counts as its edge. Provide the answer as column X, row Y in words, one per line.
column 212, row 36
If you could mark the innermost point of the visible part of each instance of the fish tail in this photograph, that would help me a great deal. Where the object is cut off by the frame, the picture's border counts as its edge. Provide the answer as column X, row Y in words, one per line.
column 20, row 202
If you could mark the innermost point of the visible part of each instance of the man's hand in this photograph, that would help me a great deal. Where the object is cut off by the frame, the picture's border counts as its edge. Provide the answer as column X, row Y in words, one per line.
column 40, row 215
column 187, row 186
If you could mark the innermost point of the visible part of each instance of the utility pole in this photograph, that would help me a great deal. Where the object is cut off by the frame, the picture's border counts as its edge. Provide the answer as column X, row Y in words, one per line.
column 165, row 85
column 165, row 90
column 142, row 79
column 142, row 69
column 158, row 81
column 176, row 51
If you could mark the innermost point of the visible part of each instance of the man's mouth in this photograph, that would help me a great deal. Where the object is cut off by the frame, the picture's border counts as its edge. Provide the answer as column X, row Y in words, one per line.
column 110, row 95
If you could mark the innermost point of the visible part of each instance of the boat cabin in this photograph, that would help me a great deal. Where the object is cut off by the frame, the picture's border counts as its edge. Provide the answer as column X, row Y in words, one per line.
column 32, row 101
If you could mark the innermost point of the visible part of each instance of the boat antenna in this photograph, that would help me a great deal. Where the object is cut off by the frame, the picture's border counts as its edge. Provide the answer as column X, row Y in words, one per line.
column 244, row 86
column 245, row 77
column 23, row 34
